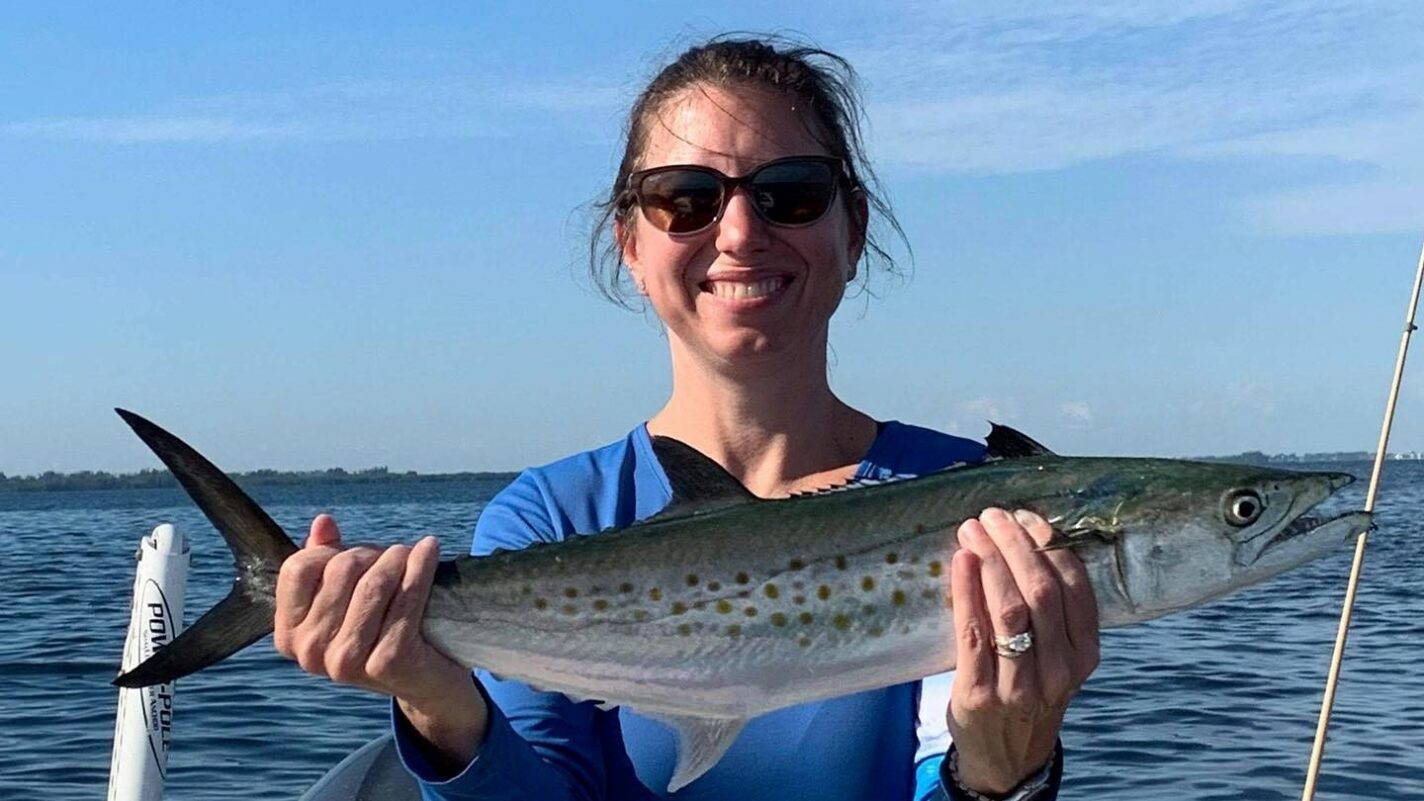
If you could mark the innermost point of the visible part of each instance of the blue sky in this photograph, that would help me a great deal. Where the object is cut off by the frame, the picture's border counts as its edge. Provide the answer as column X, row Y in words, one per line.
column 343, row 234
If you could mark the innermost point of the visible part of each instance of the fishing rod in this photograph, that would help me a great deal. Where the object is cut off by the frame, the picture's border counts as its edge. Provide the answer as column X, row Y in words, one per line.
column 1334, row 677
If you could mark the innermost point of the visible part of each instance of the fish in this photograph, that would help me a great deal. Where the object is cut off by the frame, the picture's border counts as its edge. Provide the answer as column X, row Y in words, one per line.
column 725, row 606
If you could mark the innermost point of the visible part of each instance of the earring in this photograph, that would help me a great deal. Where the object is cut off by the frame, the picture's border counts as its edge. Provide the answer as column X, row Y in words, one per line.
column 642, row 286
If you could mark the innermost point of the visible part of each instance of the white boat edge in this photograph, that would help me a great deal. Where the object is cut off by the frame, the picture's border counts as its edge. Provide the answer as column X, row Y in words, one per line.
column 372, row 772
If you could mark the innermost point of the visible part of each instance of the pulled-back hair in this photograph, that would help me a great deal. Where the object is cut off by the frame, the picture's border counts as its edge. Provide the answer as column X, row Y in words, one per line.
column 824, row 90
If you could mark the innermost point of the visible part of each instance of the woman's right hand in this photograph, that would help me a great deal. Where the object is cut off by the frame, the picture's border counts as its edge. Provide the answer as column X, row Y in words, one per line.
column 354, row 615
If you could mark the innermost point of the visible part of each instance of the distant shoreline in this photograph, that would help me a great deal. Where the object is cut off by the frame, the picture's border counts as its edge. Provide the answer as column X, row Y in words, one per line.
column 162, row 479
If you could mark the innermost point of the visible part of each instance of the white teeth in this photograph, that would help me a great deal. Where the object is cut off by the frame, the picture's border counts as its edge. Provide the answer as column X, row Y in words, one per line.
column 738, row 290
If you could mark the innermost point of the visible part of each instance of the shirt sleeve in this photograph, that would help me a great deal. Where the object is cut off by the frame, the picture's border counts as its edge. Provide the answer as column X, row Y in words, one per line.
column 539, row 746
column 932, row 731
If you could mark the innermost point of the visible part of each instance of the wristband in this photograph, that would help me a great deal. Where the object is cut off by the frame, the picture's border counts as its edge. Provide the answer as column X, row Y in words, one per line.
column 1033, row 788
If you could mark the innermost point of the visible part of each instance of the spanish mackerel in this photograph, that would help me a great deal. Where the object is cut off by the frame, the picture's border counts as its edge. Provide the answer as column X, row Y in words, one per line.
column 725, row 606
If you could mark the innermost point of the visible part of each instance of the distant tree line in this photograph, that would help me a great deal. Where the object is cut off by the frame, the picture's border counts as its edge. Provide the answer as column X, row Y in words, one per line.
column 1258, row 457
column 160, row 479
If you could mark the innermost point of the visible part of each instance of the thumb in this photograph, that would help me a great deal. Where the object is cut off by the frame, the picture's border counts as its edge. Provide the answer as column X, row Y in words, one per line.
column 324, row 532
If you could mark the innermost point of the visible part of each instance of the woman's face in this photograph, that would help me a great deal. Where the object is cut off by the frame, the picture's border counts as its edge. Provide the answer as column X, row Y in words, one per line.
column 743, row 291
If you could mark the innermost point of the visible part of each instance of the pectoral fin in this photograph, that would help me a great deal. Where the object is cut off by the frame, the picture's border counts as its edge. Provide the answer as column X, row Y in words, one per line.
column 700, row 743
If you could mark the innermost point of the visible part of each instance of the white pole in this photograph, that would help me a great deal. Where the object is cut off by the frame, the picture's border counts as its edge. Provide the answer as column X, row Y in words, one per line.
column 143, row 726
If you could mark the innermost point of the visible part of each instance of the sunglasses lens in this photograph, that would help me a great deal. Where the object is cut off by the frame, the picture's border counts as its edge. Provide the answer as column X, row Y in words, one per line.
column 680, row 201
column 794, row 192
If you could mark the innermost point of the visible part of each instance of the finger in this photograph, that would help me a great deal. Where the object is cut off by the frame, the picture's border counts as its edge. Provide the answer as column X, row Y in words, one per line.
column 351, row 647
column 324, row 531
column 298, row 581
column 1019, row 537
column 328, row 608
column 1008, row 611
column 401, row 629
column 1080, row 608
column 974, row 669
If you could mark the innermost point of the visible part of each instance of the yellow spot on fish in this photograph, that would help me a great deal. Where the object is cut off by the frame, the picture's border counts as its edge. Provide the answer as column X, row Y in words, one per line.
column 625, row 587
column 678, row 607
column 804, row 642
column 569, row 609
column 867, row 584
column 898, row 597
column 841, row 622
column 750, row 611
column 771, row 591
column 891, row 558
column 724, row 606
column 570, row 593
column 656, row 594
column 540, row 603
column 743, row 578
column 806, row 618
column 600, row 604
column 778, row 619
column 936, row 568
column 734, row 630
column 823, row 592
column 684, row 629
column 692, row 579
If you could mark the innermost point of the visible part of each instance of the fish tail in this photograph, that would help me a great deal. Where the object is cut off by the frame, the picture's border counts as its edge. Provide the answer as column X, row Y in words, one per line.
column 259, row 546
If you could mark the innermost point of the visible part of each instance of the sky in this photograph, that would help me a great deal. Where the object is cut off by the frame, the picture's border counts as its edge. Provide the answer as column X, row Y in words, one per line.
column 354, row 234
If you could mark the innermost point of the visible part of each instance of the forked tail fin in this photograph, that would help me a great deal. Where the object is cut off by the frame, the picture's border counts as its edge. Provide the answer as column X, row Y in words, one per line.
column 259, row 546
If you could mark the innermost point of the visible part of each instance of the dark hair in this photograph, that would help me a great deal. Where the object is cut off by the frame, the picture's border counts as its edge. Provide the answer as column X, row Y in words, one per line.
column 825, row 90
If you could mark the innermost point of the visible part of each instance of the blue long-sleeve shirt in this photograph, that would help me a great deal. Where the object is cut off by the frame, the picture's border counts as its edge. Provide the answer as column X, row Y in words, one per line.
column 544, row 747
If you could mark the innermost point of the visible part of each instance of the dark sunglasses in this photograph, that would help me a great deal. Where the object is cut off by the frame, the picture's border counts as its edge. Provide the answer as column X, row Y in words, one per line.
column 686, row 198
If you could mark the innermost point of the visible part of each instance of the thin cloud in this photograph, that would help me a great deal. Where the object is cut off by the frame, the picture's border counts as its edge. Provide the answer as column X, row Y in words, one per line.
column 1236, row 399
column 1002, row 89
column 458, row 106
column 1079, row 414
column 132, row 130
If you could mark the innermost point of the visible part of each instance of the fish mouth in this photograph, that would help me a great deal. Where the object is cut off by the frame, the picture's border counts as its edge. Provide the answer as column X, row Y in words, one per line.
column 1303, row 525
column 1308, row 537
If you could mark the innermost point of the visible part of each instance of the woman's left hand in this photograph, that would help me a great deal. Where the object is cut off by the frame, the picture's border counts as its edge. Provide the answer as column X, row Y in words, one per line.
column 1005, row 712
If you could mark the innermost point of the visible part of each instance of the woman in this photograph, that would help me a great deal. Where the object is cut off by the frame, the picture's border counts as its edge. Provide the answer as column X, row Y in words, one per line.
column 741, row 215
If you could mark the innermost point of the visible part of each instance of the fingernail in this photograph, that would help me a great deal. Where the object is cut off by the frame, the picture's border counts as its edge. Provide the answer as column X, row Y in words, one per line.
column 1027, row 518
column 994, row 513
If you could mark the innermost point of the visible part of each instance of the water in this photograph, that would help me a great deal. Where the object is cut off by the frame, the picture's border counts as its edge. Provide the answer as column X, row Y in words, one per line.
column 1215, row 703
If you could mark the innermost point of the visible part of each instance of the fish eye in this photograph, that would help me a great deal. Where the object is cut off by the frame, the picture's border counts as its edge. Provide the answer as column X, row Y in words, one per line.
column 1242, row 507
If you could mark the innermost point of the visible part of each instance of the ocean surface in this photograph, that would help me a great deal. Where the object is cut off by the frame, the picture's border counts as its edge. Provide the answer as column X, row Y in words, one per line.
column 1216, row 703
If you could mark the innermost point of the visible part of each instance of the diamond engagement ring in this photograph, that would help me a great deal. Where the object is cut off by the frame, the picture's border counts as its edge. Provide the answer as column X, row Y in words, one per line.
column 1013, row 647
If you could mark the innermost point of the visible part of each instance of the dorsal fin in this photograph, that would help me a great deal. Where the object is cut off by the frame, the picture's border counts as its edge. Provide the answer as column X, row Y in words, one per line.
column 697, row 481
column 1008, row 443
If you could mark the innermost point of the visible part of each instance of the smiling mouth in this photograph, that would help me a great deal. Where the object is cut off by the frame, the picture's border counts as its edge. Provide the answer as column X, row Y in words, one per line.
column 745, row 290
